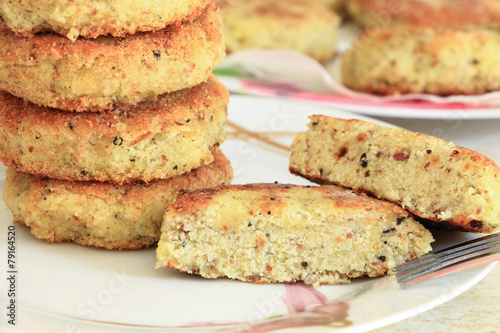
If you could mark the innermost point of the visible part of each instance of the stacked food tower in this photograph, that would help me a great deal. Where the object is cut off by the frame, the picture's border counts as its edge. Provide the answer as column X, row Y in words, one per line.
column 107, row 114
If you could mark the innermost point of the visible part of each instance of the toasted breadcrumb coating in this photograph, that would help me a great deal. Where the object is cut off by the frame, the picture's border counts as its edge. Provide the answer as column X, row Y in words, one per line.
column 106, row 72
column 90, row 19
column 147, row 141
column 99, row 214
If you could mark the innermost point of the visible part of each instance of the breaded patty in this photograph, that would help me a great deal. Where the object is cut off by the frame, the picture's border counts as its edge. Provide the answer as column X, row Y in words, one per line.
column 395, row 61
column 106, row 72
column 286, row 233
column 90, row 19
column 304, row 26
column 426, row 13
column 434, row 179
column 104, row 215
column 151, row 140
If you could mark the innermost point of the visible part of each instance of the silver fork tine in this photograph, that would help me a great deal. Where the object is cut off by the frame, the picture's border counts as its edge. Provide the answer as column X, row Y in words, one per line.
column 443, row 263
column 452, row 249
column 465, row 252
column 453, row 268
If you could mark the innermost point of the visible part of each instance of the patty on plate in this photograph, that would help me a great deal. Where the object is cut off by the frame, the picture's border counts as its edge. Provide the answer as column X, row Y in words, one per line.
column 154, row 139
column 455, row 187
column 441, row 61
column 264, row 233
column 99, row 214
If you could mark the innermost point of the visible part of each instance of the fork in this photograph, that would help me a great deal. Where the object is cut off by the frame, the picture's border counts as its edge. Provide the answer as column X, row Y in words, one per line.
column 455, row 258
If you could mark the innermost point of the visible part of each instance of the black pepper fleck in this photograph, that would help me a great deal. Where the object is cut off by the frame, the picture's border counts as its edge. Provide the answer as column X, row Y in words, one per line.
column 363, row 161
column 157, row 54
column 389, row 230
column 132, row 160
column 367, row 174
column 249, row 224
column 117, row 141
column 175, row 167
column 38, row 136
column 476, row 224
column 71, row 127
column 183, row 244
column 269, row 213
column 304, row 264
column 382, row 258
column 385, row 242
column 272, row 199
column 44, row 197
column 187, row 121
column 84, row 172
column 428, row 151
column 400, row 220
column 315, row 123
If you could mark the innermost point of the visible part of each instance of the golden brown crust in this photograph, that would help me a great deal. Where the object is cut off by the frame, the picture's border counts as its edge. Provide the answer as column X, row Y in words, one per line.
column 90, row 19
column 426, row 13
column 336, row 196
column 441, row 61
column 103, row 73
column 111, row 216
column 151, row 140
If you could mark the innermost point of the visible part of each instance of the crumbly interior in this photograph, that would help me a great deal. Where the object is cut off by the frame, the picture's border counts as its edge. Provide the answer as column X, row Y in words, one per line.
column 305, row 237
column 428, row 176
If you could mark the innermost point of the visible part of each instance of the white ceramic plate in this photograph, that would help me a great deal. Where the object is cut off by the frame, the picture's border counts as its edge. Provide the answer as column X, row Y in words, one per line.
column 71, row 288
column 403, row 109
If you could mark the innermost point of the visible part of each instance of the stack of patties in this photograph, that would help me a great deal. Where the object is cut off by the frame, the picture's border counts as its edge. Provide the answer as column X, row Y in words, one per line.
column 108, row 112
